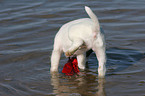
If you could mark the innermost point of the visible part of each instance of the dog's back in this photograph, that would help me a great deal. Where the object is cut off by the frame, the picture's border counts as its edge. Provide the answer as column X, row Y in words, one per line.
column 85, row 29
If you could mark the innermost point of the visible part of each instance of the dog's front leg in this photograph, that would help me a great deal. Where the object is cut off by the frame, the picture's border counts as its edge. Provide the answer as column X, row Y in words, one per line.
column 55, row 58
column 81, row 61
column 75, row 46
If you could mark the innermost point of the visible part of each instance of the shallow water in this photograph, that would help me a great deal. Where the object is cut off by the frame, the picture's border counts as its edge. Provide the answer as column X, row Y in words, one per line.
column 27, row 30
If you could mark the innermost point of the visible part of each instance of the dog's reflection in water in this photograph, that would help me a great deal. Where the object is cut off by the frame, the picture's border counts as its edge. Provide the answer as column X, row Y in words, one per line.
column 87, row 85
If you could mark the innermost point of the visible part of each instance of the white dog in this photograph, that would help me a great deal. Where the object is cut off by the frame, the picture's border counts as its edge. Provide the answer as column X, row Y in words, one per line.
column 78, row 36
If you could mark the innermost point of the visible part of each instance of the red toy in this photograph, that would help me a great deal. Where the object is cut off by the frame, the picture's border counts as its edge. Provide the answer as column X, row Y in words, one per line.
column 71, row 67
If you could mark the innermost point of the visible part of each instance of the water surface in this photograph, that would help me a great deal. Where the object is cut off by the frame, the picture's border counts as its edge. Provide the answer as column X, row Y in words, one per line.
column 27, row 30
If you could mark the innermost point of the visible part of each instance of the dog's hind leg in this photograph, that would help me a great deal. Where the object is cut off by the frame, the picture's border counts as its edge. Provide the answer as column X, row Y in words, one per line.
column 101, row 56
column 77, row 43
column 100, row 50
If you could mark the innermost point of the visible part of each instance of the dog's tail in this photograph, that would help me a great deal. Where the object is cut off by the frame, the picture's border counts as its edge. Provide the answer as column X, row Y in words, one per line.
column 93, row 17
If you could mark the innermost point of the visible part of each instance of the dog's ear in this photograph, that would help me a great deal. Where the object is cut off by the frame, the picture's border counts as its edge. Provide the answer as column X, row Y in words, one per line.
column 89, row 52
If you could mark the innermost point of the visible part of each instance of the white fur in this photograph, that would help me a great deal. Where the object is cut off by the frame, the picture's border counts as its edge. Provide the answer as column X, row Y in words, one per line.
column 78, row 36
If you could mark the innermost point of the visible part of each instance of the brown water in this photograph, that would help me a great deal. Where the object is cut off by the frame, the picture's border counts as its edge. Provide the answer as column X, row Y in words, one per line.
column 27, row 30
